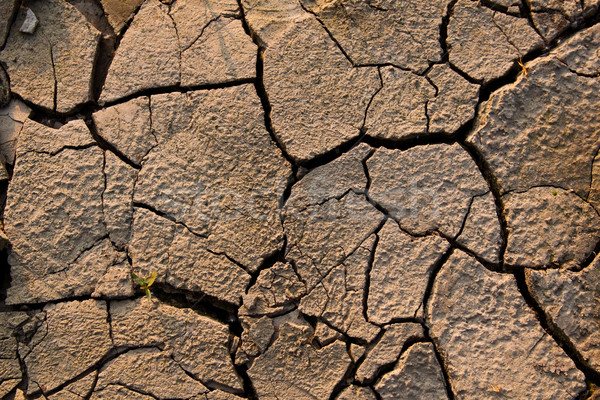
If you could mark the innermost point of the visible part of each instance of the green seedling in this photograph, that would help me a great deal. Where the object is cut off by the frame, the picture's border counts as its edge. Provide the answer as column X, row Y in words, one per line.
column 145, row 283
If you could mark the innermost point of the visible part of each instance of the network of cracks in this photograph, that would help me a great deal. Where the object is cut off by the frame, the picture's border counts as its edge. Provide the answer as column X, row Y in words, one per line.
column 341, row 199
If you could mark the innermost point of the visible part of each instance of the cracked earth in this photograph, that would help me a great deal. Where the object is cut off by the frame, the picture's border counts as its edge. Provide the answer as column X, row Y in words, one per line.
column 344, row 199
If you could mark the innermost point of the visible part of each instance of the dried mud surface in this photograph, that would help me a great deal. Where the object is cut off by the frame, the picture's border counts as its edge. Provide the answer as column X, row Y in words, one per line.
column 348, row 199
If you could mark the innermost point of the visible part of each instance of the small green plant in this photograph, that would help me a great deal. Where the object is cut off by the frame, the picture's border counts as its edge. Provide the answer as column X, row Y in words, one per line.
column 145, row 283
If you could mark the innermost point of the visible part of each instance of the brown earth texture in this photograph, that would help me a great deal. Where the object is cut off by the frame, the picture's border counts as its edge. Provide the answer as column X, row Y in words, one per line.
column 300, row 199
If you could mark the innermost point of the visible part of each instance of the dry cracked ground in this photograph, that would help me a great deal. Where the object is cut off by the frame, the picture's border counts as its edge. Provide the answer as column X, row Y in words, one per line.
column 344, row 199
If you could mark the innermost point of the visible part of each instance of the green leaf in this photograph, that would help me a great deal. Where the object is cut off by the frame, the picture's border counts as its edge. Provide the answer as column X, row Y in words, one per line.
column 150, row 280
column 148, row 294
column 139, row 280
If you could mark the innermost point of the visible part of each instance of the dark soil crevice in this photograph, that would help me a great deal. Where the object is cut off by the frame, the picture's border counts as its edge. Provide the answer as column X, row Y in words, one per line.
column 444, row 30
column 389, row 367
column 249, row 391
column 496, row 191
column 178, row 89
column 5, row 278
column 277, row 257
column 264, row 99
column 363, row 128
column 346, row 379
column 442, row 362
column 329, row 33
column 166, row 216
column 105, row 52
column 201, row 303
column 11, row 20
column 554, row 330
column 433, row 273
column 367, row 287
column 259, row 84
column 108, row 357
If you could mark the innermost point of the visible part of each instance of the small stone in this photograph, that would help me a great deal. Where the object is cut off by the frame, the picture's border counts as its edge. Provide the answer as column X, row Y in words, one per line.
column 400, row 273
column 549, row 227
column 426, row 188
column 387, row 350
column 482, row 232
column 292, row 368
column 72, row 339
column 149, row 371
column 571, row 301
column 417, row 375
column 357, row 393
column 30, row 23
column 198, row 344
column 490, row 339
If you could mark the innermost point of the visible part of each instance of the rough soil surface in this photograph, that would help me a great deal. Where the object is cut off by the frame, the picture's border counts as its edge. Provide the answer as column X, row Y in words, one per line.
column 299, row 199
